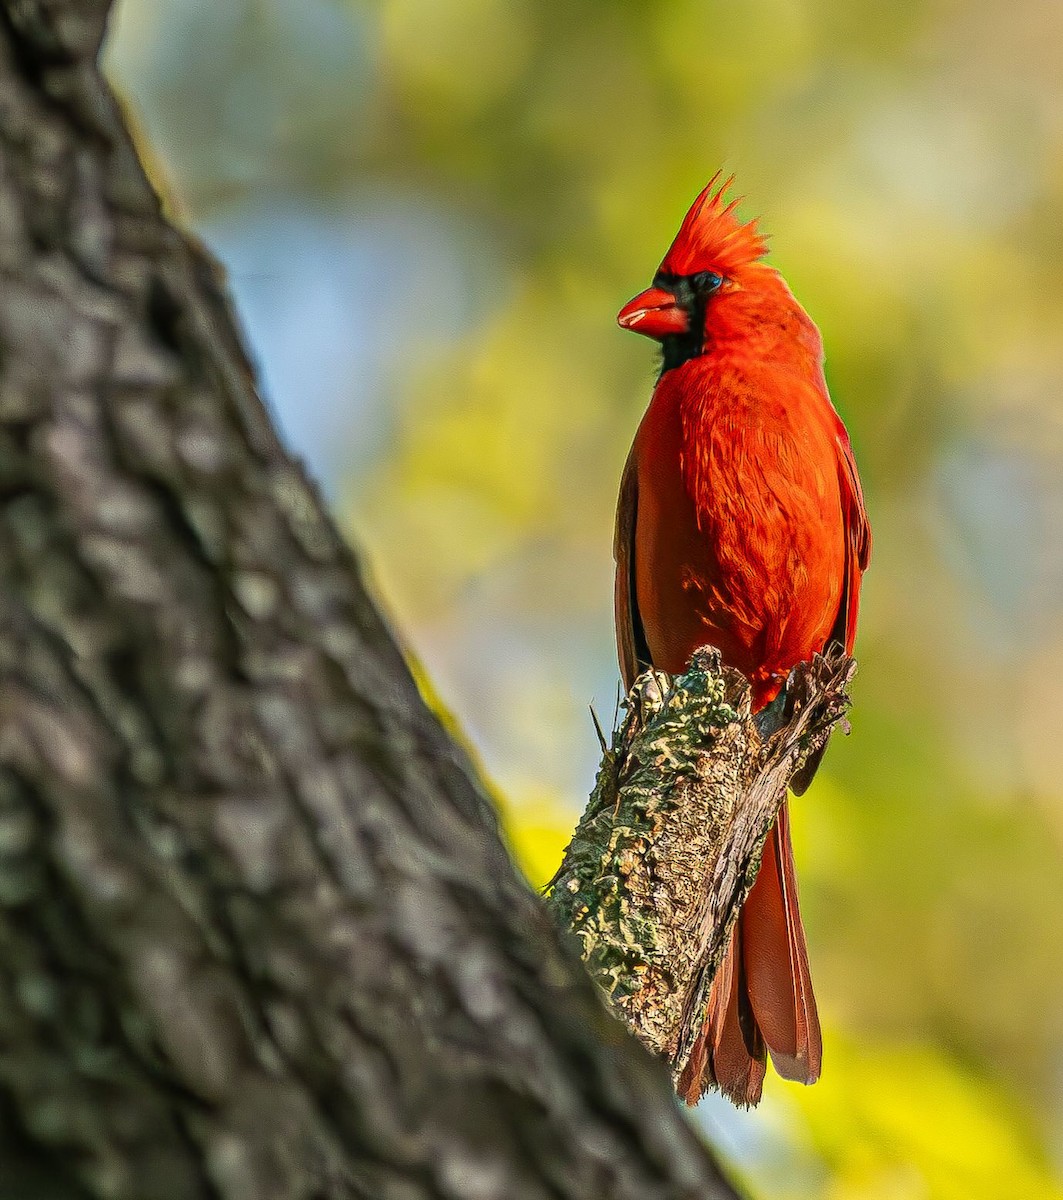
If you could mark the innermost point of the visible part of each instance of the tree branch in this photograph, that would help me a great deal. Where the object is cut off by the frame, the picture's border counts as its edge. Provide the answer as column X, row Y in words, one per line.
column 670, row 844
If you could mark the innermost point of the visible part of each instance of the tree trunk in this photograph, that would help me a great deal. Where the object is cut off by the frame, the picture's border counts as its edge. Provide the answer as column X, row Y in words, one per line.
column 259, row 936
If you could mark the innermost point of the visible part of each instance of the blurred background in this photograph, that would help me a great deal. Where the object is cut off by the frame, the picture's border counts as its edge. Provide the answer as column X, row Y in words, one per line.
column 431, row 210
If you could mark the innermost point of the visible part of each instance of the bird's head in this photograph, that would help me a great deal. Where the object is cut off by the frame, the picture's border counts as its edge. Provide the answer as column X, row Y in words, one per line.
column 714, row 254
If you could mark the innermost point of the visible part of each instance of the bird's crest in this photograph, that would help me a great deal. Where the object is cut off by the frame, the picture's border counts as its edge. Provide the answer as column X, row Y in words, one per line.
column 712, row 237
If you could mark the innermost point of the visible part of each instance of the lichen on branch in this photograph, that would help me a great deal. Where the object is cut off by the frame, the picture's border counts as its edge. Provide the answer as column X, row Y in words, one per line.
column 670, row 843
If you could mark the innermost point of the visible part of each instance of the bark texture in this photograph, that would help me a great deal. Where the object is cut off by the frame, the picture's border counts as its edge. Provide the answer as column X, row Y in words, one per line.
column 672, row 838
column 259, row 937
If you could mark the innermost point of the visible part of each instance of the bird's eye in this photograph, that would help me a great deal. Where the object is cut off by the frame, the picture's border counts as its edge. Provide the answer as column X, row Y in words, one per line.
column 707, row 281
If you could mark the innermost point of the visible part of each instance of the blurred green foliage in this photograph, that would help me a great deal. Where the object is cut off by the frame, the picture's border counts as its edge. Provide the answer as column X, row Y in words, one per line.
column 487, row 181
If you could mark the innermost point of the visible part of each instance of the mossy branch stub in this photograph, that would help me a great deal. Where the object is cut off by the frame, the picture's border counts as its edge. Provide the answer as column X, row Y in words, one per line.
column 670, row 843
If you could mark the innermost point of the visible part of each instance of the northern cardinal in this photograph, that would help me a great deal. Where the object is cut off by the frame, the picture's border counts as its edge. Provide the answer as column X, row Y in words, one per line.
column 740, row 525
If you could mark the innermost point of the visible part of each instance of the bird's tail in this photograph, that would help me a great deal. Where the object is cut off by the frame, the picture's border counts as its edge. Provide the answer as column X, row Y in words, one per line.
column 761, row 998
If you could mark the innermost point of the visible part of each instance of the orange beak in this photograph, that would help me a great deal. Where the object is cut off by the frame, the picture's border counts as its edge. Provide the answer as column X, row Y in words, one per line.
column 654, row 312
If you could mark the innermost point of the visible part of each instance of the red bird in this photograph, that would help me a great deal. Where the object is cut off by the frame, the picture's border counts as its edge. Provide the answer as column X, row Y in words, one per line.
column 740, row 525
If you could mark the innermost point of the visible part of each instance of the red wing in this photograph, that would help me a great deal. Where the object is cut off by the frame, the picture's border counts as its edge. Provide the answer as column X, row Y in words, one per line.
column 857, row 541
column 630, row 637
column 856, row 530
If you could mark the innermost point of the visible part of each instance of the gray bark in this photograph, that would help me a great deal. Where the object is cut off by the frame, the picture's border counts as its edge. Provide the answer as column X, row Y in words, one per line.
column 259, row 936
